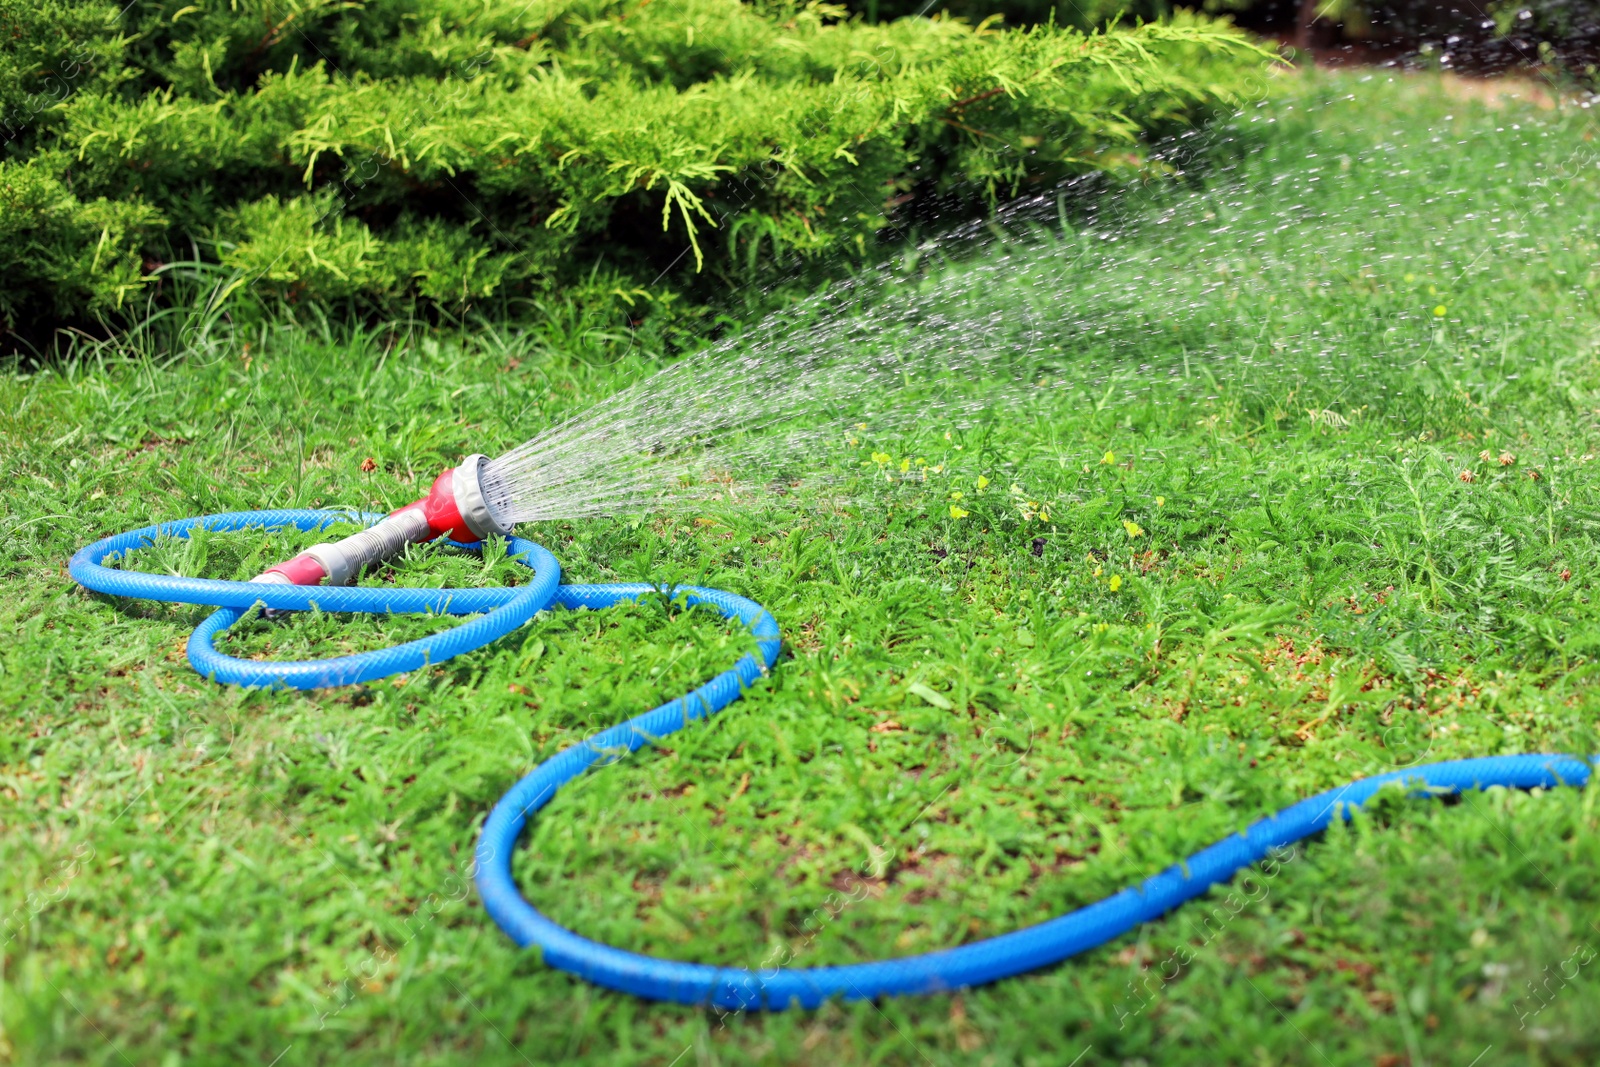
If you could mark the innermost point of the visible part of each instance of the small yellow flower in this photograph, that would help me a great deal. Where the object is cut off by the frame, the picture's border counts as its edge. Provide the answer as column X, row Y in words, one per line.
column 956, row 495
column 1116, row 582
column 983, row 483
column 1133, row 528
column 958, row 513
column 1098, row 571
column 1109, row 458
column 1161, row 501
column 937, row 468
column 854, row 440
column 1045, row 515
column 861, row 426
column 905, row 465
column 880, row 458
column 1439, row 311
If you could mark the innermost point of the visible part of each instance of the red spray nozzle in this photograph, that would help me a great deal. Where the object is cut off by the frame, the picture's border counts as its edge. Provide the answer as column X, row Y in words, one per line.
column 454, row 507
column 443, row 512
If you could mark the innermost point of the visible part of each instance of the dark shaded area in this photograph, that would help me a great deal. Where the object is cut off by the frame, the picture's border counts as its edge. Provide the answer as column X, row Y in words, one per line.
column 1558, row 38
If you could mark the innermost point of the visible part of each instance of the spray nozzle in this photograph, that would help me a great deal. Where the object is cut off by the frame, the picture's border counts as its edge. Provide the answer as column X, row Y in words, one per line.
column 455, row 507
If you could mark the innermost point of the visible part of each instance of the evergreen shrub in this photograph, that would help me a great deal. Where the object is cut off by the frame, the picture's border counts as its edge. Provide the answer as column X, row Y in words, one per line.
column 456, row 152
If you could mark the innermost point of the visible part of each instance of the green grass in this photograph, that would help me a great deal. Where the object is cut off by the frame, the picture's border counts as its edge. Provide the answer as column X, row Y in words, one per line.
column 971, row 730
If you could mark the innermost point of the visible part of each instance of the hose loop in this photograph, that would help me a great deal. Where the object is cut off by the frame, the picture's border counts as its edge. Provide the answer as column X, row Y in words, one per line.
column 500, row 610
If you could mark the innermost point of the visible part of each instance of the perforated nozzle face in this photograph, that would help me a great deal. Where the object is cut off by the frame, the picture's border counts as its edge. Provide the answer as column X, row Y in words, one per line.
column 466, row 487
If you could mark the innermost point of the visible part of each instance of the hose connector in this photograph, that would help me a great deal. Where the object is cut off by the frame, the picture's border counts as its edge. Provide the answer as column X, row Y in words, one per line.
column 455, row 507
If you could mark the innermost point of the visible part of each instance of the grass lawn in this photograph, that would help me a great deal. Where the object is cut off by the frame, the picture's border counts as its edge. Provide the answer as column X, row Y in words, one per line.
column 1321, row 503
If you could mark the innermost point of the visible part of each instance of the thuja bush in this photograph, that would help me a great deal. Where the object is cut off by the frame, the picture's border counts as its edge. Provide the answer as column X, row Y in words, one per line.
column 453, row 152
column 1081, row 14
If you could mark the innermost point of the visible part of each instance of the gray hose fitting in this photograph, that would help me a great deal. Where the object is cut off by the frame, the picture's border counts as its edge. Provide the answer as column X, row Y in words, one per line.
column 345, row 559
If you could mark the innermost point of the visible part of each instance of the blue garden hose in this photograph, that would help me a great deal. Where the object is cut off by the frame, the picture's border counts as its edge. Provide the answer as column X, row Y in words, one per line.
column 502, row 610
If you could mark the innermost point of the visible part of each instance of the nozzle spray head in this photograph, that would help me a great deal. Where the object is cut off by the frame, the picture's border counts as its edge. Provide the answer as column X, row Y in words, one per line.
column 455, row 507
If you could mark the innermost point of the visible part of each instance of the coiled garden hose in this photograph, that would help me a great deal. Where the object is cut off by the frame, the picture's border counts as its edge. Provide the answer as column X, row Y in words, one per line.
column 502, row 610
